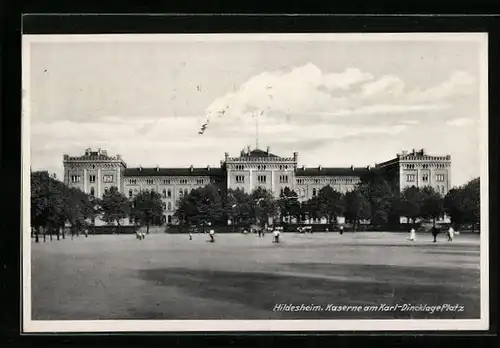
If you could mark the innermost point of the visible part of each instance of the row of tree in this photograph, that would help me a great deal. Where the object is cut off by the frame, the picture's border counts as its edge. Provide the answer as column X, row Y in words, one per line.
column 374, row 199
column 55, row 206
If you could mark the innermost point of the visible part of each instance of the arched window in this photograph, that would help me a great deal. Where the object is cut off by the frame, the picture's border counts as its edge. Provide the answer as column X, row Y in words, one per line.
column 180, row 192
column 169, row 205
column 169, row 193
column 130, row 193
column 106, row 191
column 314, row 192
column 169, row 219
column 164, row 193
column 164, row 205
column 92, row 192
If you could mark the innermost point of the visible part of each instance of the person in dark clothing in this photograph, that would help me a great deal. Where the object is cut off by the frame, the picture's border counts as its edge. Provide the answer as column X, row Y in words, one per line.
column 435, row 232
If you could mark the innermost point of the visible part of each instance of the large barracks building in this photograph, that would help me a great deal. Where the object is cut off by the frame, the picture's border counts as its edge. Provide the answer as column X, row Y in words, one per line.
column 95, row 172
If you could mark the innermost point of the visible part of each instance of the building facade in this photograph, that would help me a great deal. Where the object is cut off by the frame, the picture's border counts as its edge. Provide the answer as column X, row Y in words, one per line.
column 95, row 172
column 419, row 169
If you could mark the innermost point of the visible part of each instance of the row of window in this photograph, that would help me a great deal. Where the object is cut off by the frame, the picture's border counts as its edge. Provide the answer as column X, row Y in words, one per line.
column 92, row 178
column 425, row 177
column 168, row 181
column 331, row 181
column 165, row 193
column 424, row 166
column 259, row 167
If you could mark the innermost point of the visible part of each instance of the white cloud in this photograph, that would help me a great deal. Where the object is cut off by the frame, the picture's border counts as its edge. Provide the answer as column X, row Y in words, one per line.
column 461, row 122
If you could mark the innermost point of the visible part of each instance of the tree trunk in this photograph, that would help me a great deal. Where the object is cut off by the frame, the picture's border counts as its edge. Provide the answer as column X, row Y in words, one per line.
column 147, row 228
column 434, row 222
column 63, row 232
column 51, row 232
column 44, row 234
column 37, row 233
column 58, row 233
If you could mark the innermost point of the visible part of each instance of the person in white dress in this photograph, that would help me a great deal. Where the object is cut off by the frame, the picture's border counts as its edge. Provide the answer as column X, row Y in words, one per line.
column 276, row 235
column 412, row 235
column 451, row 233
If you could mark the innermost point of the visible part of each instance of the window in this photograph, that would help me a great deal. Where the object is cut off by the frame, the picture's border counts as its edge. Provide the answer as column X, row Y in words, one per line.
column 425, row 177
column 132, row 181
column 239, row 167
column 180, row 193
column 75, row 179
column 92, row 178
column 425, row 166
column 92, row 192
column 149, row 181
column 316, row 181
column 166, row 182
column 410, row 166
column 107, row 178
column 169, row 205
column 186, row 192
column 106, row 191
column 440, row 177
column 261, row 167
column 169, row 193
column 164, row 205
column 130, row 193
column 314, row 192
column 169, row 219
column 199, row 181
column 261, row 179
column 284, row 179
column 300, row 181
column 183, row 181
column 410, row 177
column 240, row 179
column 164, row 193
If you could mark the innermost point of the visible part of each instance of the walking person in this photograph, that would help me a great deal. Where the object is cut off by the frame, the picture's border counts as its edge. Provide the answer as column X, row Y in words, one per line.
column 412, row 235
column 276, row 235
column 341, row 229
column 435, row 232
column 211, row 233
column 451, row 233
column 190, row 235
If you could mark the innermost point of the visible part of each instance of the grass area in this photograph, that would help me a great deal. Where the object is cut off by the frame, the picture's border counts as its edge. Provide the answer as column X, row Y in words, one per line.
column 243, row 276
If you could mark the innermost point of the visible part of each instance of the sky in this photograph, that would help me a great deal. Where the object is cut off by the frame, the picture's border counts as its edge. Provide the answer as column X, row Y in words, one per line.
column 335, row 102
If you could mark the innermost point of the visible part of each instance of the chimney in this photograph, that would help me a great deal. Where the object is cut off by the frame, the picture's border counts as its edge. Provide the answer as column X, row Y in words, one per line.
column 66, row 157
column 295, row 156
column 368, row 167
column 303, row 167
column 119, row 157
column 157, row 168
column 208, row 168
column 226, row 155
column 422, row 151
column 405, row 153
column 191, row 168
column 413, row 151
column 319, row 167
column 268, row 150
column 140, row 168
column 352, row 167
column 248, row 149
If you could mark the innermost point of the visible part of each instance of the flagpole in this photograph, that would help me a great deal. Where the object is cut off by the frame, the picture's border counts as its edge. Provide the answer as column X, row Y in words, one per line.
column 257, row 131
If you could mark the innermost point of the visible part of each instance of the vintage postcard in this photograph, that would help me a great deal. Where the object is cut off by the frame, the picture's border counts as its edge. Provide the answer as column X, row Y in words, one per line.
column 255, row 182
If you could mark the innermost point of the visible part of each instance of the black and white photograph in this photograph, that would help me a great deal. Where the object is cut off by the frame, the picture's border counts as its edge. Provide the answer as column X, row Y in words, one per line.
column 255, row 182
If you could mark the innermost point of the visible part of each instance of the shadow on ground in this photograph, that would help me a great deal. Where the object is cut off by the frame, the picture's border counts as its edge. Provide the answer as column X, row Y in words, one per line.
column 354, row 285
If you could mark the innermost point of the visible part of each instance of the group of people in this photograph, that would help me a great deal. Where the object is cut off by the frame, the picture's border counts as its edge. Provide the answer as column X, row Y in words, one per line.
column 435, row 231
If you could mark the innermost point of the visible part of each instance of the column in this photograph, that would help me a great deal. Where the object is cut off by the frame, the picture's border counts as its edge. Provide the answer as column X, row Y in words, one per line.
column 98, row 182
column 118, row 179
column 272, row 181
column 85, row 180
column 228, row 172
column 250, row 188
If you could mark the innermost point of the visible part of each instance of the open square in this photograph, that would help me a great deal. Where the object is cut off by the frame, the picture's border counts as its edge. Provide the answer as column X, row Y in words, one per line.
column 241, row 276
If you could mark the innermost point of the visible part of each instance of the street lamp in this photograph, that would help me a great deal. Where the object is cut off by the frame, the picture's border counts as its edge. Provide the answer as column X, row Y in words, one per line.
column 232, row 207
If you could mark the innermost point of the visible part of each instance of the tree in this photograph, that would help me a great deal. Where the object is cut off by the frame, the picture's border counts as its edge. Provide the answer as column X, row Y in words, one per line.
column 330, row 203
column 264, row 207
column 200, row 206
column 238, row 206
column 356, row 208
column 147, row 207
column 411, row 202
column 432, row 204
column 115, row 206
column 46, row 203
column 380, row 194
column 462, row 203
column 288, row 204
column 76, row 209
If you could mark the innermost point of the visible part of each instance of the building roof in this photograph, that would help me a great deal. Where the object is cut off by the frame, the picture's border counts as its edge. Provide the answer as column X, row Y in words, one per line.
column 259, row 153
column 331, row 171
column 173, row 172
